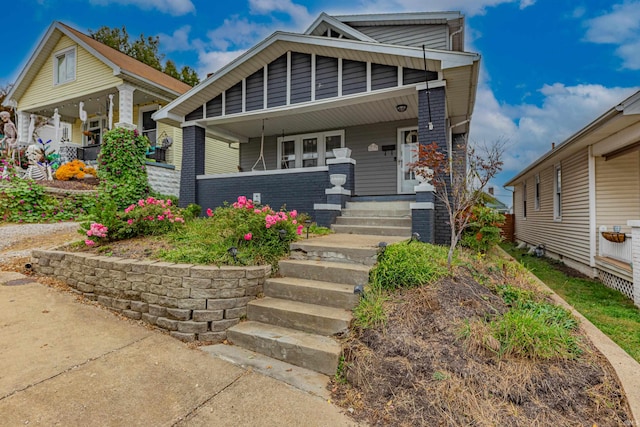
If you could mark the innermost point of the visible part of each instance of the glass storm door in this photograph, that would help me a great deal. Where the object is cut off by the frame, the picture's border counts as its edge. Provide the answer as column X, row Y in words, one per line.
column 407, row 153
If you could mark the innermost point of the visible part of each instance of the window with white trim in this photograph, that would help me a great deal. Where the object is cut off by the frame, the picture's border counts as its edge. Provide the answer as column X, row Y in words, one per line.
column 146, row 124
column 557, row 193
column 524, row 199
column 308, row 150
column 537, row 193
column 64, row 66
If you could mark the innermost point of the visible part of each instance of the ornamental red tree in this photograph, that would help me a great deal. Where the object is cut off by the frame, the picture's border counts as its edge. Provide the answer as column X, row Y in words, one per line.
column 459, row 181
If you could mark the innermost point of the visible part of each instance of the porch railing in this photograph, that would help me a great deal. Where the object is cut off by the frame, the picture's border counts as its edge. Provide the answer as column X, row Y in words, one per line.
column 618, row 251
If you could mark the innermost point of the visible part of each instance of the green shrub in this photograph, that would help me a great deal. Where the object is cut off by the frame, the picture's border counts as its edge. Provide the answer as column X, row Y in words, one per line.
column 408, row 265
column 122, row 168
column 260, row 235
column 370, row 312
column 483, row 231
column 24, row 200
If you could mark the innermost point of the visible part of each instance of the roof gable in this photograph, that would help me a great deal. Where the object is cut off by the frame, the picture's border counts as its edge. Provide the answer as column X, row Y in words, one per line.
column 117, row 61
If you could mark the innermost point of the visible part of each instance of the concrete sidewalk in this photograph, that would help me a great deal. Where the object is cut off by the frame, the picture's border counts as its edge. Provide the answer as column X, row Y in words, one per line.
column 68, row 363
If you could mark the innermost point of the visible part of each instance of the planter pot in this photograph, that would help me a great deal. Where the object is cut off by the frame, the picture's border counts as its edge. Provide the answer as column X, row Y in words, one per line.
column 337, row 179
column 613, row 236
column 342, row 153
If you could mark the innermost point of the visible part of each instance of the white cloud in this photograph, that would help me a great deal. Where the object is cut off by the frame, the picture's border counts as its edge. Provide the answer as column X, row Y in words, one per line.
column 172, row 7
column 530, row 129
column 298, row 13
column 209, row 62
column 236, row 32
column 178, row 41
column 468, row 7
column 620, row 26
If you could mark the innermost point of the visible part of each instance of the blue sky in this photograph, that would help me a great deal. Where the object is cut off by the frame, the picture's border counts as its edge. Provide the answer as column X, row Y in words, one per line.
column 549, row 67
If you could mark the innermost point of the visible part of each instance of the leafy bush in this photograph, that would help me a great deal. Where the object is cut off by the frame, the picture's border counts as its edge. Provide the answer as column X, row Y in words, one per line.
column 370, row 312
column 146, row 217
column 122, row 168
column 24, row 200
column 483, row 231
column 260, row 235
column 406, row 265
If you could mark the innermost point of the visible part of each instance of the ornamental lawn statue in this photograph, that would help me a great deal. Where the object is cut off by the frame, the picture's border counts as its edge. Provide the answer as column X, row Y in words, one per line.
column 38, row 169
column 10, row 140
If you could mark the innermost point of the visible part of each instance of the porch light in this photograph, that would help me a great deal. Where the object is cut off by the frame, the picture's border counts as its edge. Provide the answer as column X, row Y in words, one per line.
column 401, row 108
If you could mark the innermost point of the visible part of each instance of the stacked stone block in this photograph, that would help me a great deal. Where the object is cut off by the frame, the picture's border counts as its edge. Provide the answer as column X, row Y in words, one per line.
column 192, row 302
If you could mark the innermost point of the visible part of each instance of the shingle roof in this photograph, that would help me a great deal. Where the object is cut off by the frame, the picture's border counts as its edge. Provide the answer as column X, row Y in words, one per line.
column 131, row 65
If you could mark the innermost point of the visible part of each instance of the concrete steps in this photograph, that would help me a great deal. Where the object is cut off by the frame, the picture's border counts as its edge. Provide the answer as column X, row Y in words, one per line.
column 304, row 309
column 328, row 294
column 312, row 318
column 311, row 351
column 338, row 272
column 389, row 218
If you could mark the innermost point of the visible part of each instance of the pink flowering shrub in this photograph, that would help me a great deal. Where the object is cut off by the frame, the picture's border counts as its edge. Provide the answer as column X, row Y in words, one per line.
column 255, row 229
column 148, row 216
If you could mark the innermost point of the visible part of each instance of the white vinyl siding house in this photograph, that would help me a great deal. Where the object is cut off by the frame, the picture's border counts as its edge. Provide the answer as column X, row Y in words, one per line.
column 589, row 199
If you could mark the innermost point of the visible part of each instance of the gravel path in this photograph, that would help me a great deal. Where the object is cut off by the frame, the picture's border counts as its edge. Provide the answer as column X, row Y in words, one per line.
column 35, row 236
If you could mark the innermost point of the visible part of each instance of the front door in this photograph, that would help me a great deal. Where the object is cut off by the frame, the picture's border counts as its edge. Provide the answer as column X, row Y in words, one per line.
column 407, row 154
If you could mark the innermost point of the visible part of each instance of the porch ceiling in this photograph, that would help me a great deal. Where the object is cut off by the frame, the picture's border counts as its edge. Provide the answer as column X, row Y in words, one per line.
column 317, row 116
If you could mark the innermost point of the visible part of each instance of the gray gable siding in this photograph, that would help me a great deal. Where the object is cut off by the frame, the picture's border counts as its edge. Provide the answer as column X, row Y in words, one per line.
column 383, row 76
column 277, row 82
column 255, row 91
column 300, row 77
column 354, row 77
column 214, row 107
column 233, row 99
column 432, row 36
column 411, row 76
column 194, row 115
column 326, row 77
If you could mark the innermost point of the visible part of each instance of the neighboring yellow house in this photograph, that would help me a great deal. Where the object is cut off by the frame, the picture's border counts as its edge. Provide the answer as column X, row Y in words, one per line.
column 74, row 77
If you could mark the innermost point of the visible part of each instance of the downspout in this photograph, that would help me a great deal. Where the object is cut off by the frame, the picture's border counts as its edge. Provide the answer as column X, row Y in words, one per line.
column 592, row 208
column 451, row 38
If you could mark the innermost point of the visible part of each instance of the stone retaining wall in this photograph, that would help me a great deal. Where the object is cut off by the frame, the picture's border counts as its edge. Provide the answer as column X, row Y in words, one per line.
column 192, row 302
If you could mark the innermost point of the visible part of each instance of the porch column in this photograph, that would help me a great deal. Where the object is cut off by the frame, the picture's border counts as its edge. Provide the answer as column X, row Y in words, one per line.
column 432, row 128
column 423, row 212
column 338, row 195
column 193, row 138
column 635, row 254
column 22, row 125
column 125, row 96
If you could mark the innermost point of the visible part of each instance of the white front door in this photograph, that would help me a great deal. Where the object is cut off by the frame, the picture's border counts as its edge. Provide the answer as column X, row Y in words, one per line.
column 407, row 153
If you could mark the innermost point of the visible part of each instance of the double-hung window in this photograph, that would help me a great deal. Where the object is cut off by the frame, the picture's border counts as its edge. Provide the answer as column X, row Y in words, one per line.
column 64, row 66
column 557, row 193
column 537, row 193
column 308, row 150
column 524, row 199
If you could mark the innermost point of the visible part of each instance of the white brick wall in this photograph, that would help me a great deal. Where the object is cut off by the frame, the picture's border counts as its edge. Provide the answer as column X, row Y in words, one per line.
column 164, row 180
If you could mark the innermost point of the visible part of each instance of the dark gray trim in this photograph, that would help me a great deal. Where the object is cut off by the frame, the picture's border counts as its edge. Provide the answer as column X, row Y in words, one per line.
column 300, row 77
column 194, row 115
column 383, row 76
column 354, row 77
column 255, row 91
column 412, row 76
column 193, row 141
column 326, row 77
column 233, row 99
column 214, row 107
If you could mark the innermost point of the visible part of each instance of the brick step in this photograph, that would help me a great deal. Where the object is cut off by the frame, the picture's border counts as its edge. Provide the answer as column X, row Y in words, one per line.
column 310, row 351
column 338, row 272
column 310, row 318
column 312, row 292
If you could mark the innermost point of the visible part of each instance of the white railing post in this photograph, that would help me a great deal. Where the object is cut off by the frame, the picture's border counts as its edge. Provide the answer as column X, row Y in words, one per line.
column 635, row 240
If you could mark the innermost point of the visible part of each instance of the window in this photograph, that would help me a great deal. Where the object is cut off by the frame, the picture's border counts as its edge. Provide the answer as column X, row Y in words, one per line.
column 146, row 124
column 305, row 151
column 557, row 193
column 64, row 66
column 537, row 193
column 524, row 199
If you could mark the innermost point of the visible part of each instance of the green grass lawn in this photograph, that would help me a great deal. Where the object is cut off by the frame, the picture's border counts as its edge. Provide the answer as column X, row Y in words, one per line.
column 609, row 310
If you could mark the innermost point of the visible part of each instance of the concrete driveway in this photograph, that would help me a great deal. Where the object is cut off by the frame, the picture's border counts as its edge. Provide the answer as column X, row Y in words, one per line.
column 71, row 363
